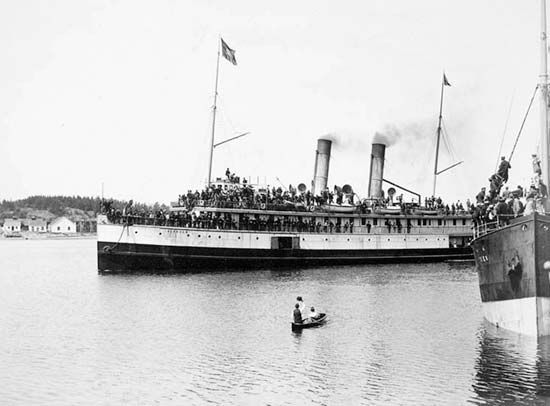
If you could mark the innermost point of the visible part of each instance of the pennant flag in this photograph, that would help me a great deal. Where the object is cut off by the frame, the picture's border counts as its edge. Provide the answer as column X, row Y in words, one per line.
column 228, row 53
column 445, row 81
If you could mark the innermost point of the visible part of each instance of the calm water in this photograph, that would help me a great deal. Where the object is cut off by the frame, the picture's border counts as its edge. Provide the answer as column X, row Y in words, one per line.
column 398, row 334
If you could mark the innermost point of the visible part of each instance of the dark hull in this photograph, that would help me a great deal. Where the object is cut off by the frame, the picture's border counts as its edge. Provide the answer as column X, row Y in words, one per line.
column 528, row 240
column 160, row 258
column 510, row 264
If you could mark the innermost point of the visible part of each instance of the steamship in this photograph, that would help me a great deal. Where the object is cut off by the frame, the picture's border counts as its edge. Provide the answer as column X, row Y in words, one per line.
column 513, row 259
column 289, row 236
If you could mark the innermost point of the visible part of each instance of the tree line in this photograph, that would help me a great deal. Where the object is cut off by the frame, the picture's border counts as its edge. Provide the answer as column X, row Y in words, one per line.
column 58, row 205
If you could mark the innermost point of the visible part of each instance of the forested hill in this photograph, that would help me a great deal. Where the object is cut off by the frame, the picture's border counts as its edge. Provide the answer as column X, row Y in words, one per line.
column 54, row 206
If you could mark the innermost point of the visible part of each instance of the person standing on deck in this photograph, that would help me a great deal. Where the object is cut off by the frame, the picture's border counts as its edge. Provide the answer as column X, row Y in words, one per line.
column 480, row 197
column 503, row 169
column 536, row 165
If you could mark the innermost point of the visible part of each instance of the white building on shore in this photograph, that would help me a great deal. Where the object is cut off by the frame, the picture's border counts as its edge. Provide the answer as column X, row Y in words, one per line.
column 62, row 225
column 38, row 226
column 12, row 225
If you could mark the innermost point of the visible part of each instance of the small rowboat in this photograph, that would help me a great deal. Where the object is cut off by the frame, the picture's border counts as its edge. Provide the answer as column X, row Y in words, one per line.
column 315, row 323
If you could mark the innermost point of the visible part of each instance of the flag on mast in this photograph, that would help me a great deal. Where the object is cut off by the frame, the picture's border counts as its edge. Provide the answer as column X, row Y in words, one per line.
column 445, row 81
column 228, row 53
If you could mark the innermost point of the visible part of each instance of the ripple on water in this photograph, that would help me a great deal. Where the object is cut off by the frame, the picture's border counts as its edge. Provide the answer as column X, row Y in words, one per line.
column 397, row 334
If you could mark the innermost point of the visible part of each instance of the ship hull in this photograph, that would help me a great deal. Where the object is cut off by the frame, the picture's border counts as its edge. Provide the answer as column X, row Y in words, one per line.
column 132, row 257
column 169, row 249
column 514, row 284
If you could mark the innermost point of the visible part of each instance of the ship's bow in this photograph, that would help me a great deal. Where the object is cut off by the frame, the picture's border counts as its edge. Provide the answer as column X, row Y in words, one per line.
column 514, row 284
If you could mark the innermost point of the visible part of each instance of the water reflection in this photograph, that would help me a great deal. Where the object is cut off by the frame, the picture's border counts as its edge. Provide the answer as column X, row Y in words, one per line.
column 511, row 368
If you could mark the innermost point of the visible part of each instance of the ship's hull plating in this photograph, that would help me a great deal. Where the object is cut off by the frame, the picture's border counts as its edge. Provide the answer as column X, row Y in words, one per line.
column 514, row 284
column 164, row 249
column 128, row 257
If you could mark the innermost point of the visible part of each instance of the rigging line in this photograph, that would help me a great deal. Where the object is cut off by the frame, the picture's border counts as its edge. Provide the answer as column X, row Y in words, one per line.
column 445, row 136
column 453, row 151
column 448, row 142
column 445, row 141
column 505, row 128
column 523, row 122
column 225, row 117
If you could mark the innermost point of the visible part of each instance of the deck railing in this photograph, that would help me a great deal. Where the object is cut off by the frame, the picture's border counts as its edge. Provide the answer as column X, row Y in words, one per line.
column 497, row 223
column 288, row 227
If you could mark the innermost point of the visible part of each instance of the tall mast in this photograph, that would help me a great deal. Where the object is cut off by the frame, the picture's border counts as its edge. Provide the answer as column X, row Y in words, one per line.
column 544, row 97
column 214, row 117
column 438, row 132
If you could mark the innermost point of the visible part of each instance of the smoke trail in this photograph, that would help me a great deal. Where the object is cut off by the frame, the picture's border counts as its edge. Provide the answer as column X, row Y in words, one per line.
column 390, row 135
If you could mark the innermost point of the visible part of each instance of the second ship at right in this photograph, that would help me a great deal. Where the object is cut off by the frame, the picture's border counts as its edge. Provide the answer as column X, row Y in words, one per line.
column 512, row 253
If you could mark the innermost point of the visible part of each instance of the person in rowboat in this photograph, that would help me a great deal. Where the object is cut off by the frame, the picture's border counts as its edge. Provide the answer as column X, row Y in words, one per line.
column 313, row 315
column 301, row 305
column 297, row 314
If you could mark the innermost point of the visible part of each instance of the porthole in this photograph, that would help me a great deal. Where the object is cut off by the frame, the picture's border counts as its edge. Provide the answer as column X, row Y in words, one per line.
column 326, row 239
column 187, row 235
column 209, row 236
column 348, row 239
column 199, row 236
column 388, row 239
column 303, row 239
column 135, row 232
column 257, row 238
column 238, row 238
column 219, row 236
column 160, row 233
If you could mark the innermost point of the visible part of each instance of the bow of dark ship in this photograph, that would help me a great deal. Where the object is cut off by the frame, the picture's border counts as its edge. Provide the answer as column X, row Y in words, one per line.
column 513, row 263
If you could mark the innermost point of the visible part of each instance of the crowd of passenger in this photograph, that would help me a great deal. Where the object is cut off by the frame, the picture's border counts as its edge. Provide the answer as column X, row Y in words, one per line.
column 436, row 203
column 497, row 205
column 222, row 221
column 238, row 194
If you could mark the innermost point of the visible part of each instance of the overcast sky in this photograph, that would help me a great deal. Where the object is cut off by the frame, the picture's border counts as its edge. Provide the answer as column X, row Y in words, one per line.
column 120, row 92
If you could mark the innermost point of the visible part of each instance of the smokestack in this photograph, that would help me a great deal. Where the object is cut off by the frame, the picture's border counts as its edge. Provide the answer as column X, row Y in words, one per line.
column 322, row 160
column 376, row 170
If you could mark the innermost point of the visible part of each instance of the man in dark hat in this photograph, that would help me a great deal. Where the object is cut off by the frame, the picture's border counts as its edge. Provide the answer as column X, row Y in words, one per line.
column 503, row 169
column 518, row 192
column 480, row 197
column 495, row 183
column 536, row 164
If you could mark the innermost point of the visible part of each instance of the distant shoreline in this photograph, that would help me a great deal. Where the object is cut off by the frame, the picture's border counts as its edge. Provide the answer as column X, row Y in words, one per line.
column 49, row 236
